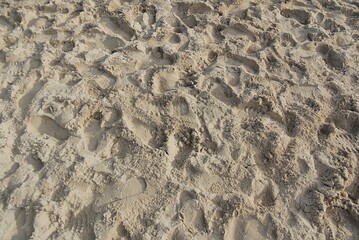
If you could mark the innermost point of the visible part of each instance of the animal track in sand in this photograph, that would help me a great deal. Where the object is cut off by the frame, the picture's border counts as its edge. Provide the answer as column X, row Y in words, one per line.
column 181, row 146
column 259, row 104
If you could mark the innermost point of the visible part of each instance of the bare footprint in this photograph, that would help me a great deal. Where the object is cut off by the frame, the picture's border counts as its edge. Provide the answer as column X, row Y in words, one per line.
column 121, row 147
column 30, row 93
column 249, row 227
column 348, row 121
column 191, row 213
column 48, row 126
column 332, row 58
column 199, row 8
column 180, row 106
column 142, row 131
column 5, row 24
column 112, row 43
column 225, row 94
column 94, row 135
column 121, row 191
column 164, row 80
column 119, row 26
column 35, row 162
column 249, row 64
column 239, row 29
column 299, row 15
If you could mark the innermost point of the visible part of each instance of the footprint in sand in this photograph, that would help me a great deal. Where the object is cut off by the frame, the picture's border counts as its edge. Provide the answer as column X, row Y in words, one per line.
column 48, row 126
column 191, row 213
column 121, row 191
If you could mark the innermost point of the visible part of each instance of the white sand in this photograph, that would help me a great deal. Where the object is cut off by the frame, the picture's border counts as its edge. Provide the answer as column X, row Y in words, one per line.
column 179, row 120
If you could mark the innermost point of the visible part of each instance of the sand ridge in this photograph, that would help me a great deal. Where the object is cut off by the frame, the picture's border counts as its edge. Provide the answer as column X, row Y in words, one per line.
column 179, row 119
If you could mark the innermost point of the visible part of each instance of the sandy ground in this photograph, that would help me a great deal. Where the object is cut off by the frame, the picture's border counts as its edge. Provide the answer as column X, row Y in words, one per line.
column 179, row 120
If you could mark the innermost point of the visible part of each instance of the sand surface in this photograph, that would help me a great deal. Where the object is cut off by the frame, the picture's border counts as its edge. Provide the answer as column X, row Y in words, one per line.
column 177, row 119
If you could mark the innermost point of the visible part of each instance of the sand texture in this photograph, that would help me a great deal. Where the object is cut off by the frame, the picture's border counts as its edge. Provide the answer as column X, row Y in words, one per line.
column 178, row 119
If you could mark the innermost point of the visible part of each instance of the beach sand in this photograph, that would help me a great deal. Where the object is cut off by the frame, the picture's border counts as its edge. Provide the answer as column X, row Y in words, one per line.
column 179, row 119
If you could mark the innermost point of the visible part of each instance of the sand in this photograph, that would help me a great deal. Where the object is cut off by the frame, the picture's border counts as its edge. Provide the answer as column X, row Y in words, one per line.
column 179, row 119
